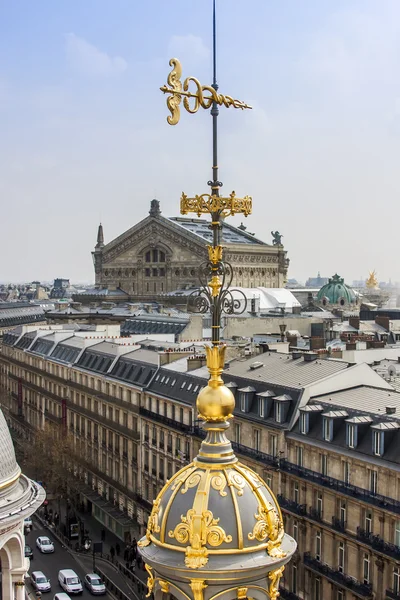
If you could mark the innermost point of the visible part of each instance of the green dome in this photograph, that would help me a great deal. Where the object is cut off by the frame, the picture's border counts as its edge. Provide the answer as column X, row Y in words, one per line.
column 336, row 292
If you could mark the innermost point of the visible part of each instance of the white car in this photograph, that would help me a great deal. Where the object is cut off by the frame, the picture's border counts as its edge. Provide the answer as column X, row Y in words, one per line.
column 61, row 596
column 44, row 544
column 28, row 524
column 94, row 584
column 40, row 582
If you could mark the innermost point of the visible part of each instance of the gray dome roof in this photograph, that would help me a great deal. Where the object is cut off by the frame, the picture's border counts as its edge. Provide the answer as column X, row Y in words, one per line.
column 238, row 511
column 9, row 469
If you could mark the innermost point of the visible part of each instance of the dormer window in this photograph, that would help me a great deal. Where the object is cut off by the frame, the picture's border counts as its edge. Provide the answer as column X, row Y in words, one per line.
column 261, row 407
column 304, row 423
column 352, row 434
column 378, row 443
column 327, row 429
column 246, row 398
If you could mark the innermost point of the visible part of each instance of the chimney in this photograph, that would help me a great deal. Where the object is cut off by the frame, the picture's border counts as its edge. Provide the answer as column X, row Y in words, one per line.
column 317, row 343
column 292, row 339
column 310, row 356
column 382, row 321
column 196, row 362
column 390, row 410
column 354, row 322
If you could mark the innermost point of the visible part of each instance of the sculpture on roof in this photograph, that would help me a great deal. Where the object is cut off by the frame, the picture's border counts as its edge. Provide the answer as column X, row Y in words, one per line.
column 372, row 281
column 276, row 238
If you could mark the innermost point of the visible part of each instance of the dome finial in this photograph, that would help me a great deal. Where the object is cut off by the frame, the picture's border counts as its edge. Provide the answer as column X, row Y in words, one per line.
column 215, row 402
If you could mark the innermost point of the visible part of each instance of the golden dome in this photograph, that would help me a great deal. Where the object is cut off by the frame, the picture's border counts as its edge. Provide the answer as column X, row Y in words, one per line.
column 215, row 509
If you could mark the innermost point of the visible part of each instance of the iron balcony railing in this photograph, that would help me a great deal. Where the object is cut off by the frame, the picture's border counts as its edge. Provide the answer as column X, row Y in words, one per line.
column 364, row 590
column 284, row 593
column 341, row 486
column 292, row 506
column 393, row 594
column 339, row 524
column 165, row 421
column 377, row 543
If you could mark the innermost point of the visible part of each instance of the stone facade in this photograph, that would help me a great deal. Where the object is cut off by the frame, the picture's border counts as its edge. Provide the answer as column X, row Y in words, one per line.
column 160, row 255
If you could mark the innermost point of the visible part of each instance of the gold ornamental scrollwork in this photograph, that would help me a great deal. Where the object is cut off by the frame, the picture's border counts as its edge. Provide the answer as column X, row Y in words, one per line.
column 198, row 585
column 242, row 593
column 269, row 526
column 150, row 580
column 218, row 483
column 152, row 524
column 208, row 204
column 215, row 254
column 202, row 95
column 164, row 586
column 198, row 530
column 275, row 577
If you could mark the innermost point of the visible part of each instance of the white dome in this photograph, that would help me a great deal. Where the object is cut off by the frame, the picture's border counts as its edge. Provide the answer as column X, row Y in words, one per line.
column 9, row 469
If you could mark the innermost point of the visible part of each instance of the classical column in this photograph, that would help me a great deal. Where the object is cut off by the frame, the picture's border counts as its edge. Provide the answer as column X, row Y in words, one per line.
column 6, row 583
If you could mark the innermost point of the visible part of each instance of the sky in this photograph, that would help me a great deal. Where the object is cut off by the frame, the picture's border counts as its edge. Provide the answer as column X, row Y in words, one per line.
column 84, row 136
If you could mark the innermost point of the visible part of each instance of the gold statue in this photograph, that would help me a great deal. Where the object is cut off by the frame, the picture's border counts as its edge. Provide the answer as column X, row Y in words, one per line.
column 372, row 282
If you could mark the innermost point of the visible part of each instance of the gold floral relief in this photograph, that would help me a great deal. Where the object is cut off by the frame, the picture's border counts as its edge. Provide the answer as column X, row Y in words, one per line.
column 197, row 531
column 192, row 481
column 150, row 580
column 198, row 585
column 242, row 593
column 164, row 586
column 275, row 577
column 268, row 526
column 237, row 481
column 218, row 483
column 182, row 477
column 152, row 523
column 254, row 478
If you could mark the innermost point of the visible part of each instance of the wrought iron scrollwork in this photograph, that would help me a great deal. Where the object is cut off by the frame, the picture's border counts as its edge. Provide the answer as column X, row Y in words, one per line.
column 215, row 294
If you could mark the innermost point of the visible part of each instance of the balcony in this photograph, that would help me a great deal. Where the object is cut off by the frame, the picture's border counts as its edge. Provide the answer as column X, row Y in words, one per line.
column 362, row 590
column 255, row 454
column 339, row 524
column 340, row 486
column 48, row 415
column 284, row 593
column 105, row 421
column 292, row 506
column 377, row 543
column 393, row 595
column 182, row 427
column 315, row 514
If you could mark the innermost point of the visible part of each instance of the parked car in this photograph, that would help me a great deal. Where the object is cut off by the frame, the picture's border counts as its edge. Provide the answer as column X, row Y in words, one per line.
column 27, row 524
column 40, row 582
column 28, row 552
column 44, row 544
column 70, row 581
column 61, row 596
column 94, row 584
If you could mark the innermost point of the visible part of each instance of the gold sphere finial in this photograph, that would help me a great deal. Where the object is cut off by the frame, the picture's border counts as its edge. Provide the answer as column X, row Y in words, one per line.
column 215, row 402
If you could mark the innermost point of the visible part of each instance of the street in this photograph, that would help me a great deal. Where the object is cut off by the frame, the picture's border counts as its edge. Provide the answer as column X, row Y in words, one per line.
column 50, row 564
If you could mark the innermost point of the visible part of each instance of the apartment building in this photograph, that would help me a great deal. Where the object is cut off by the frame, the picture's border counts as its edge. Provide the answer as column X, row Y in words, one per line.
column 323, row 434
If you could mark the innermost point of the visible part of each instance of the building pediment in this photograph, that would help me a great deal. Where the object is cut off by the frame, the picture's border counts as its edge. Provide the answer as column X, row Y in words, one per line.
column 146, row 231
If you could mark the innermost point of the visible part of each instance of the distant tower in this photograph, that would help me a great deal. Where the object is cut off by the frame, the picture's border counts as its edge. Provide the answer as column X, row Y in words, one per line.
column 98, row 255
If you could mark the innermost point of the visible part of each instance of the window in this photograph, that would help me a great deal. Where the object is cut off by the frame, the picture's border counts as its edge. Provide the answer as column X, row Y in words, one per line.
column 256, row 439
column 397, row 533
column 319, row 504
column 340, row 595
column 323, row 460
column 368, row 522
column 273, row 445
column 377, row 443
column 346, row 471
column 327, row 429
column 299, row 456
column 295, row 530
column 296, row 492
column 278, row 412
column 351, row 435
column 294, row 578
column 243, row 402
column 318, row 546
column 237, row 432
column 341, row 557
column 343, row 512
column 396, row 580
column 366, row 567
column 317, row 589
column 304, row 423
column 261, row 407
column 373, row 481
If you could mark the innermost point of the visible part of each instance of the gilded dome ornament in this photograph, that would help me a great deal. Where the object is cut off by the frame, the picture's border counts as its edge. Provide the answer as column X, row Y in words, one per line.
column 215, row 522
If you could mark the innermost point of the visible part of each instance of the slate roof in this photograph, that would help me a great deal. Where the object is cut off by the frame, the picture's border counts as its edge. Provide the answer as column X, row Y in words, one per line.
column 229, row 233
column 364, row 399
column 149, row 324
column 18, row 313
column 283, row 370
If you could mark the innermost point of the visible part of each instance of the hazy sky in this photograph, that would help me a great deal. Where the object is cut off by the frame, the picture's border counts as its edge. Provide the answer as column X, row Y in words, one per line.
column 84, row 135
